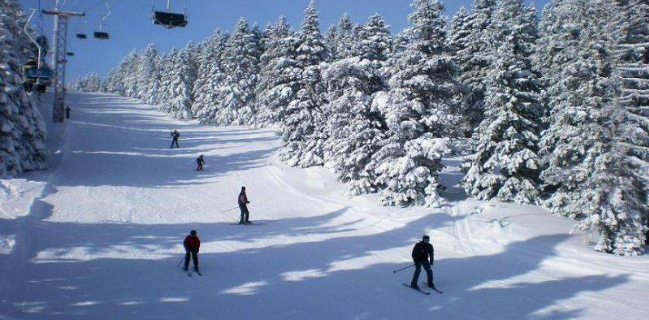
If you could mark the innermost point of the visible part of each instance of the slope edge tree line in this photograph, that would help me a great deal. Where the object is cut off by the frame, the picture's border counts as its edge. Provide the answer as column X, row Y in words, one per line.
column 556, row 109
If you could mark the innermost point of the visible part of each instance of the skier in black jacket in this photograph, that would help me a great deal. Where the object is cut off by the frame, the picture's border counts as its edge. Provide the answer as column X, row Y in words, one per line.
column 175, row 136
column 420, row 254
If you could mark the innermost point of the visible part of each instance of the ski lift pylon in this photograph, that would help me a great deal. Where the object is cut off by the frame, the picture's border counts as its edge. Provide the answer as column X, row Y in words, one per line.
column 169, row 19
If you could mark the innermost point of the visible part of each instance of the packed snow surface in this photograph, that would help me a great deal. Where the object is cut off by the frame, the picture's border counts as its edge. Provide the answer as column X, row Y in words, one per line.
column 99, row 236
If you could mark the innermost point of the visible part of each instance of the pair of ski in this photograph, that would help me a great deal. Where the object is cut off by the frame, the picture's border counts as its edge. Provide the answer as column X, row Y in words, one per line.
column 189, row 273
column 424, row 292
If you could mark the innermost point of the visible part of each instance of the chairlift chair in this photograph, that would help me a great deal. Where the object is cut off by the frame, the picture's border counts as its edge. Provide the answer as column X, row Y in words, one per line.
column 102, row 35
column 169, row 19
column 36, row 74
column 82, row 36
column 70, row 54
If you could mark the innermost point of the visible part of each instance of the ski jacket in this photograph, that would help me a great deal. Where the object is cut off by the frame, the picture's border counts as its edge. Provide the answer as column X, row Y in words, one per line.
column 200, row 160
column 243, row 199
column 175, row 135
column 422, row 251
column 192, row 243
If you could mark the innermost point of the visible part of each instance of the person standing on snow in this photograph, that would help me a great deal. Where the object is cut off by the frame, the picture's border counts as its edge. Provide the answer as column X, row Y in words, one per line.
column 420, row 254
column 192, row 245
column 243, row 205
column 175, row 135
column 200, row 161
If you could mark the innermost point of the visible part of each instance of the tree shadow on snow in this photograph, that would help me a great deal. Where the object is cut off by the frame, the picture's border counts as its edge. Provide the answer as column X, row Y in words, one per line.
column 287, row 273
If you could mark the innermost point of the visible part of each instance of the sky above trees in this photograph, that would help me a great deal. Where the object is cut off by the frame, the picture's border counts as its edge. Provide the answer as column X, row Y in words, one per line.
column 130, row 24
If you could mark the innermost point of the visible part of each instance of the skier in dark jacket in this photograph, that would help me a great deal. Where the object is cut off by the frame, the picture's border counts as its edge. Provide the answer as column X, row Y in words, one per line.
column 192, row 245
column 200, row 161
column 175, row 135
column 243, row 205
column 420, row 254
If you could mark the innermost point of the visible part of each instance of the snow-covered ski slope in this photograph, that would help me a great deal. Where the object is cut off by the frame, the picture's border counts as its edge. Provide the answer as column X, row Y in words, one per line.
column 99, row 237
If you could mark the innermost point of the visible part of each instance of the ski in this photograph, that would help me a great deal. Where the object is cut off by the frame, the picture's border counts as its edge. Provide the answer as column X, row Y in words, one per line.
column 419, row 290
column 435, row 289
column 198, row 272
column 189, row 274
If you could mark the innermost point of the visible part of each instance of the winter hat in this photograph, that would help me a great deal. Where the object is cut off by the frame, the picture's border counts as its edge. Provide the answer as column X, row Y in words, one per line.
column 426, row 237
column 193, row 232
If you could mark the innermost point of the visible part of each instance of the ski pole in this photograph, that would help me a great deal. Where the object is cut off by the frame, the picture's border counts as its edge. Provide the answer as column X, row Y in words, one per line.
column 228, row 210
column 179, row 262
column 408, row 267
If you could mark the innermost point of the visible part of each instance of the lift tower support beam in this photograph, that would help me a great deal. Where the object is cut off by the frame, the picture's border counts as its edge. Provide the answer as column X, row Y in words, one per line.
column 59, row 58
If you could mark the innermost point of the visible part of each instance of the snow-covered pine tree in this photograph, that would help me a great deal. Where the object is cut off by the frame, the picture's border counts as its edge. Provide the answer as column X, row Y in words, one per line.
column 588, row 172
column 210, row 77
column 148, row 75
column 474, row 56
column 374, row 41
column 176, row 99
column 302, row 127
column 130, row 79
column 633, row 66
column 241, row 66
column 279, row 77
column 122, row 80
column 458, row 31
column 22, row 130
column 505, row 164
column 166, row 69
column 354, row 130
column 344, row 41
column 419, row 110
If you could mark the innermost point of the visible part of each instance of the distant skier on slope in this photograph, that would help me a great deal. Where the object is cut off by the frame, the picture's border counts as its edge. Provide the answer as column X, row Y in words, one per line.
column 243, row 205
column 420, row 254
column 200, row 161
column 192, row 245
column 175, row 136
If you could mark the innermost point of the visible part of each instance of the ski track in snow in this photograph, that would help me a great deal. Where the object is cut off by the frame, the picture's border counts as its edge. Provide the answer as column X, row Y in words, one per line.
column 100, row 236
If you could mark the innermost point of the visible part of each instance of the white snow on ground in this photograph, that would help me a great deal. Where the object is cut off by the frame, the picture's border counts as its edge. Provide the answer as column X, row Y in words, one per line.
column 99, row 237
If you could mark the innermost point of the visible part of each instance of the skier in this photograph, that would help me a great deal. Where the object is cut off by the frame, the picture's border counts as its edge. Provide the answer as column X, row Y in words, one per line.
column 175, row 135
column 200, row 161
column 243, row 202
column 420, row 254
column 192, row 244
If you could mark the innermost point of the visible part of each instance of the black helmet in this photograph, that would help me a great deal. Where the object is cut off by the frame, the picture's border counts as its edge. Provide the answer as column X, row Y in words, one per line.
column 193, row 232
column 426, row 238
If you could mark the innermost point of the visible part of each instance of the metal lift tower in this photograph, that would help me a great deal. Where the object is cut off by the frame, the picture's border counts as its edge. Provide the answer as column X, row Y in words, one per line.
column 59, row 57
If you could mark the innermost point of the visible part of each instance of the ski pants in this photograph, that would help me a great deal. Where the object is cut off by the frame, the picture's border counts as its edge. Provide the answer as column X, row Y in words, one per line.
column 193, row 254
column 245, row 215
column 176, row 142
column 200, row 166
column 429, row 272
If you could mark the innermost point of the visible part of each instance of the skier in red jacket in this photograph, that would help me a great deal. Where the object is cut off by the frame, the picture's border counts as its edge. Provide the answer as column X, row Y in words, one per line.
column 192, row 244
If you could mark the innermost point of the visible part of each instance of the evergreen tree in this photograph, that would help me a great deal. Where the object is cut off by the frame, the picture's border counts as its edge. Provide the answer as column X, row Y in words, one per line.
column 474, row 56
column 633, row 66
column 22, row 130
column 587, row 168
column 148, row 75
column 419, row 111
column 374, row 41
column 302, row 127
column 176, row 86
column 241, row 66
column 505, row 164
column 280, row 75
column 210, row 77
column 354, row 130
column 344, row 42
